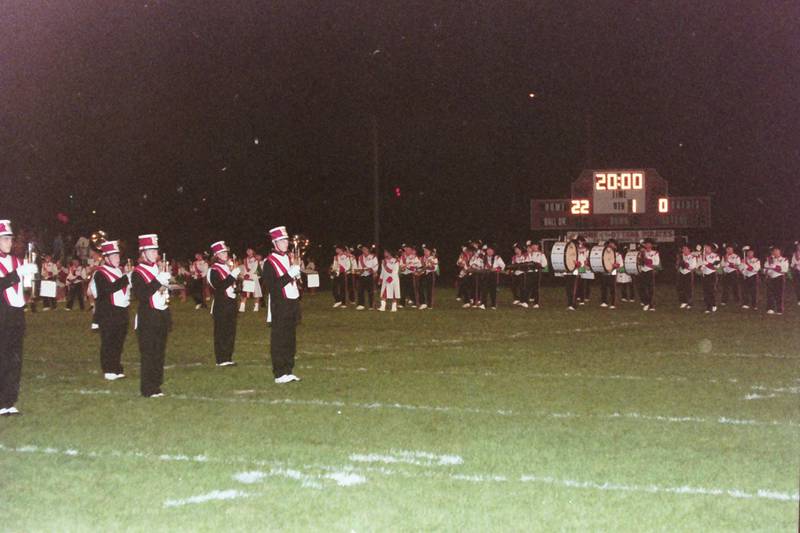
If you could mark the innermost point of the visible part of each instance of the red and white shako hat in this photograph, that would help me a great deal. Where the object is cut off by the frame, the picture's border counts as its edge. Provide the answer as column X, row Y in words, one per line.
column 148, row 242
column 5, row 228
column 109, row 247
column 218, row 247
column 278, row 233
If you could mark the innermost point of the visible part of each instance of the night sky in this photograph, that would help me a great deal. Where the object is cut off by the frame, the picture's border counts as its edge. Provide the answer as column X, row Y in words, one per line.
column 203, row 120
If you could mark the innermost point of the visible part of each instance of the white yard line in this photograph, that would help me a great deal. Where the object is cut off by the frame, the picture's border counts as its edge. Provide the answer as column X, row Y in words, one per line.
column 348, row 475
column 724, row 420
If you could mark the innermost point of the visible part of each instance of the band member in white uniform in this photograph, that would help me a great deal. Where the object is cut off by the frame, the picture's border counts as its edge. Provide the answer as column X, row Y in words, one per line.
column 153, row 321
column 390, row 280
column 493, row 266
column 750, row 267
column 708, row 264
column 281, row 279
column 533, row 278
column 429, row 269
column 249, row 269
column 368, row 266
column 112, row 294
column 12, row 319
column 222, row 281
column 49, row 273
column 687, row 264
column 651, row 261
column 730, row 275
column 775, row 268
column 608, row 280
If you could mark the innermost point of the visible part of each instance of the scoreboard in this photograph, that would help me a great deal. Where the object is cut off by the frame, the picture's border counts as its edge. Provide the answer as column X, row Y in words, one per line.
column 620, row 199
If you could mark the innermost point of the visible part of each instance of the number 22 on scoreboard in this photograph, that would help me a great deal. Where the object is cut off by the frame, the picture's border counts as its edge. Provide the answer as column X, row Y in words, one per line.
column 580, row 207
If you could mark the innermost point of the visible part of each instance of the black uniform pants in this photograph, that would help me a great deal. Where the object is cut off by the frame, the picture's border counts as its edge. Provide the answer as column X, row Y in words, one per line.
column 532, row 283
column 196, row 290
column 465, row 288
column 608, row 289
column 366, row 286
column 224, row 330
column 409, row 289
column 12, row 331
column 427, row 283
column 518, row 287
column 710, row 291
column 750, row 291
column 571, row 286
column 775, row 288
column 152, row 335
column 75, row 291
column 626, row 291
column 730, row 287
column 684, row 287
column 796, row 283
column 283, row 335
column 339, row 292
column 112, row 340
column 489, row 289
column 647, row 285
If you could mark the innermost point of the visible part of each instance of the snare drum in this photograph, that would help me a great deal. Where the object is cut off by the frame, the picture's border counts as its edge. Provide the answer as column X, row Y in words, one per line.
column 601, row 259
column 564, row 257
column 632, row 263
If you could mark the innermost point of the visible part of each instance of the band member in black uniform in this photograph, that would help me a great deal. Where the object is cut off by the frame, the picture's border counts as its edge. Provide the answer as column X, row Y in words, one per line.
column 151, row 288
column 750, row 267
column 730, row 275
column 686, row 263
column 198, row 271
column 519, row 269
column 109, row 286
column 430, row 269
column 608, row 280
column 281, row 279
column 493, row 265
column 12, row 320
column 223, row 309
column 367, row 266
column 707, row 265
column 534, row 277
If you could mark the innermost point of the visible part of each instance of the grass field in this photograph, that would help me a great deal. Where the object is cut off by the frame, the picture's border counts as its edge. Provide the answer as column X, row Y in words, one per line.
column 450, row 419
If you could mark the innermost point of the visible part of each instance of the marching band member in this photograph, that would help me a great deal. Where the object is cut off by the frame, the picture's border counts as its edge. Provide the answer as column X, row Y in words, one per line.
column 368, row 269
column 477, row 264
column 109, row 286
column 153, row 320
column 585, row 274
column 750, row 267
column 608, row 285
column 796, row 271
column 281, row 281
column 533, row 279
column 493, row 266
column 430, row 269
column 625, row 281
column 250, row 273
column 390, row 280
column 651, row 260
column 519, row 263
column 222, row 281
column 687, row 264
column 463, row 282
column 410, row 265
column 708, row 264
column 775, row 268
column 339, row 269
column 197, row 273
column 75, row 278
column 49, row 273
column 12, row 320
column 730, row 275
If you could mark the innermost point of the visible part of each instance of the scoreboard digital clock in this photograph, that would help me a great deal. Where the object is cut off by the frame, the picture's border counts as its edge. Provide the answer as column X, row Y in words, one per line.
column 620, row 199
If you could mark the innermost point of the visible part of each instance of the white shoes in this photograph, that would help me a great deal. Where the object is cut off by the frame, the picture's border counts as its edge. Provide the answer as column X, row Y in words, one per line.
column 383, row 306
column 745, row 307
column 570, row 308
column 255, row 309
column 466, row 306
column 603, row 304
column 770, row 312
column 714, row 309
column 536, row 306
column 286, row 378
column 612, row 306
column 360, row 308
column 515, row 302
column 482, row 307
column 9, row 411
column 423, row 306
column 683, row 306
column 110, row 376
column 523, row 305
column 241, row 308
column 95, row 325
column 198, row 306
column 226, row 363
column 394, row 307
column 157, row 395
column 646, row 308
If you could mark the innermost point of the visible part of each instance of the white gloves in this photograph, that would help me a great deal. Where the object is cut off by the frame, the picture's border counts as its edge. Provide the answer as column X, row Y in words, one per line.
column 294, row 271
column 27, row 269
column 163, row 278
column 235, row 272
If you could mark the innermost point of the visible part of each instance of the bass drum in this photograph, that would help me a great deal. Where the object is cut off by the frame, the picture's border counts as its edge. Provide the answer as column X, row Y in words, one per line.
column 601, row 259
column 564, row 257
column 632, row 263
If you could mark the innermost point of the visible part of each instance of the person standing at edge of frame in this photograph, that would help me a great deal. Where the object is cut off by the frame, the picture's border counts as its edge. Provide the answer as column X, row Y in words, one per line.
column 223, row 308
column 283, row 306
column 12, row 320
